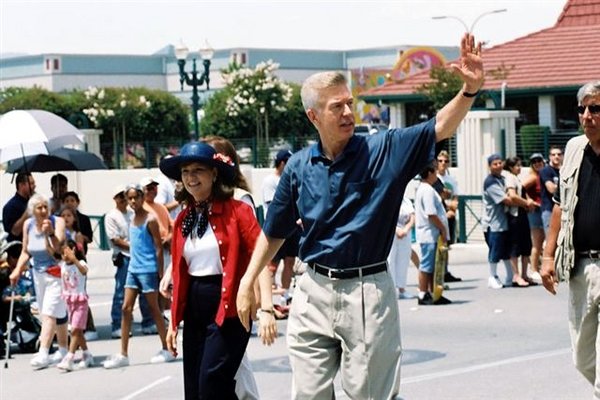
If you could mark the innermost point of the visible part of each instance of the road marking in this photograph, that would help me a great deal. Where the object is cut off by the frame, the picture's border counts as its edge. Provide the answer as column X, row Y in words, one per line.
column 465, row 370
column 341, row 395
column 145, row 388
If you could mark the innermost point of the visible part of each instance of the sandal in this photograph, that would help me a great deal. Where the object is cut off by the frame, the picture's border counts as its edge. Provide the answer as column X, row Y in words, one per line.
column 281, row 312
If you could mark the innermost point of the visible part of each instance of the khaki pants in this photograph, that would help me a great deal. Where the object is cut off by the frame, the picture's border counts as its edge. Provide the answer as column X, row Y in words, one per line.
column 584, row 315
column 350, row 325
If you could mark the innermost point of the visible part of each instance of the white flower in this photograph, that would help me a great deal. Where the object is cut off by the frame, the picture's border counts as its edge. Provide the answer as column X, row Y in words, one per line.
column 262, row 110
column 110, row 113
column 101, row 94
column 142, row 99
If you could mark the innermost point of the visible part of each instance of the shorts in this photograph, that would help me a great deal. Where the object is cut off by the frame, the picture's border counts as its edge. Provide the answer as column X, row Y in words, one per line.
column 535, row 219
column 142, row 282
column 546, row 216
column 78, row 314
column 498, row 245
column 427, row 257
column 48, row 291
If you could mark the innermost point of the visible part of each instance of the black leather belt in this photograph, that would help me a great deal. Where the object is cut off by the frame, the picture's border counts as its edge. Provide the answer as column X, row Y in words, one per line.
column 593, row 254
column 333, row 273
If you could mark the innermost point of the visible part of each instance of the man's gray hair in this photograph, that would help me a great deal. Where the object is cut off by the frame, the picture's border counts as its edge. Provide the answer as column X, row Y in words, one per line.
column 314, row 84
column 589, row 89
column 34, row 201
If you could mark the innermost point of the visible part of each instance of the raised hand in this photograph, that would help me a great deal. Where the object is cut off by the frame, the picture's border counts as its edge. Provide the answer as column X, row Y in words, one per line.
column 470, row 66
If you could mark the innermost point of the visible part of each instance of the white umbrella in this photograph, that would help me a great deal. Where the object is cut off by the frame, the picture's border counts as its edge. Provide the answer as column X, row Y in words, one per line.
column 30, row 132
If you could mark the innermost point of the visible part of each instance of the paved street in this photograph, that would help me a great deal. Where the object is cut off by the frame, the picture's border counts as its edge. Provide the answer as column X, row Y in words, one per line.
column 506, row 344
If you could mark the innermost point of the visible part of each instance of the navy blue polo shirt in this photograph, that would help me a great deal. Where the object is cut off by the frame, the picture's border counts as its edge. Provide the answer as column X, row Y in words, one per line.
column 11, row 212
column 349, row 206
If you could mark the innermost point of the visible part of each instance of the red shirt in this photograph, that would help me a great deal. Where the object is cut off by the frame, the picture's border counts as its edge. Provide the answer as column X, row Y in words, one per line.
column 236, row 230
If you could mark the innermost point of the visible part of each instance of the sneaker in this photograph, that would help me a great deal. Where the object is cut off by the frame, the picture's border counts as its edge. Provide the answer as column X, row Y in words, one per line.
column 162, row 357
column 116, row 334
column 442, row 301
column 91, row 336
column 405, row 295
column 536, row 277
column 40, row 361
column 66, row 364
column 116, row 361
column 149, row 330
column 57, row 357
column 448, row 277
column 427, row 300
column 86, row 362
column 494, row 283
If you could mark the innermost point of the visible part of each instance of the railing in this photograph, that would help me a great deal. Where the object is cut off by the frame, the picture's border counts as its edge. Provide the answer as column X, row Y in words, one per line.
column 147, row 154
column 470, row 212
column 100, row 240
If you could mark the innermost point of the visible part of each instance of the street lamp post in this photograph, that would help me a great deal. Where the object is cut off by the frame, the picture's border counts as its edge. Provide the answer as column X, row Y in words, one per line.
column 467, row 29
column 181, row 52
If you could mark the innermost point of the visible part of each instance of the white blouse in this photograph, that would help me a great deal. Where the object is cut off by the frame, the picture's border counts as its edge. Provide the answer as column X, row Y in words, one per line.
column 202, row 255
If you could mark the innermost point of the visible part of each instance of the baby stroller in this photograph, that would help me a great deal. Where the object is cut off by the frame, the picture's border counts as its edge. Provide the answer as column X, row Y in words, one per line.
column 25, row 330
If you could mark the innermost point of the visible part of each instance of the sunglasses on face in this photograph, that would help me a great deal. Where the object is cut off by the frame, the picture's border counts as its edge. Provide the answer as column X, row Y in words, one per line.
column 594, row 109
column 443, row 161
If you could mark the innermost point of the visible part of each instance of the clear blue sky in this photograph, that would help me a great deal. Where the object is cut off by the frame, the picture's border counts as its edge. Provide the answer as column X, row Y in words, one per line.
column 143, row 27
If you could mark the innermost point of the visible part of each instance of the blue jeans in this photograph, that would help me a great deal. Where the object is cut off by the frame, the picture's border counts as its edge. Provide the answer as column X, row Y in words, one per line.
column 119, row 296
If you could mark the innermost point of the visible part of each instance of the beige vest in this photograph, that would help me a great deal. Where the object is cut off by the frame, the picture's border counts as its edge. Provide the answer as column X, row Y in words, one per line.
column 569, row 176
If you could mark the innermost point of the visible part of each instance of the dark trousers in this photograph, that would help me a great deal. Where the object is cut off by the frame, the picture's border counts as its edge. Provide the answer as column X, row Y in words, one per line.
column 211, row 354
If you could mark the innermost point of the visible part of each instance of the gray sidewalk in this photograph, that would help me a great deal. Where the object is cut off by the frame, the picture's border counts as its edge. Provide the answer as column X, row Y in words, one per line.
column 488, row 344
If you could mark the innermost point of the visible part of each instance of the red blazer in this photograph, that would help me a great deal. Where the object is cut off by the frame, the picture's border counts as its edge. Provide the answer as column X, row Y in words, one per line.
column 236, row 230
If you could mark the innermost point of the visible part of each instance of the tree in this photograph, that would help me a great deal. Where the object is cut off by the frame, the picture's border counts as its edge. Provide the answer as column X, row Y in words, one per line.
column 256, row 104
column 442, row 88
column 136, row 115
column 36, row 98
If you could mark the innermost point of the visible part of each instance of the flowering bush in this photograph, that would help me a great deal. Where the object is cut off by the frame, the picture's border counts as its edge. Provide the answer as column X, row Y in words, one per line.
column 256, row 92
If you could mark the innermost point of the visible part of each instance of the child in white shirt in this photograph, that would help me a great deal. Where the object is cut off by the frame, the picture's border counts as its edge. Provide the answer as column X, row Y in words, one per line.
column 73, row 275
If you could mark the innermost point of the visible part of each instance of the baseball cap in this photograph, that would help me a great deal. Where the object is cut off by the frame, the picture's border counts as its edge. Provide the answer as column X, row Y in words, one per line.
column 282, row 155
column 117, row 190
column 493, row 158
column 147, row 180
column 536, row 156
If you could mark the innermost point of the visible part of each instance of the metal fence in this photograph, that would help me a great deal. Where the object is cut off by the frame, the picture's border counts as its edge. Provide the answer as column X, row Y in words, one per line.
column 147, row 154
column 470, row 212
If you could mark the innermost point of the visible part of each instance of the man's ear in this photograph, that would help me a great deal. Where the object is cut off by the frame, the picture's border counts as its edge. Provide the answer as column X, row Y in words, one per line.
column 312, row 116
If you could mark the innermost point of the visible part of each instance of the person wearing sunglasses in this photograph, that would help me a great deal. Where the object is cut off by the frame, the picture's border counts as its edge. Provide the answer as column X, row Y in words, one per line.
column 572, row 251
column 447, row 187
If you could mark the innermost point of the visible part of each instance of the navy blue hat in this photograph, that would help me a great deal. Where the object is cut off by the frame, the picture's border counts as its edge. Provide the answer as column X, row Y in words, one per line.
column 493, row 158
column 202, row 153
column 282, row 155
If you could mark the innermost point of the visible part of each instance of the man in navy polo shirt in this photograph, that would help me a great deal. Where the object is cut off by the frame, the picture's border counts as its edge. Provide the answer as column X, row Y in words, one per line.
column 347, row 190
column 14, row 212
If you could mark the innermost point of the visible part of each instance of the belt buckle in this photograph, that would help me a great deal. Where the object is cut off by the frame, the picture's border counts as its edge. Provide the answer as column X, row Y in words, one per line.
column 331, row 271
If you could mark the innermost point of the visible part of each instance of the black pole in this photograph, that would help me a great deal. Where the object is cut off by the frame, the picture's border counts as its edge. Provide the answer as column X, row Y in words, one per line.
column 195, row 99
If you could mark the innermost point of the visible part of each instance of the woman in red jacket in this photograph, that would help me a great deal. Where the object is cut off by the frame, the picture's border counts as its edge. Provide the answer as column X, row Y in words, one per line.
column 213, row 240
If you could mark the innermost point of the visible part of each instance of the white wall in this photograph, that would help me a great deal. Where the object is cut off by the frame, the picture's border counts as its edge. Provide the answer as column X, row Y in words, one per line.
column 95, row 187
